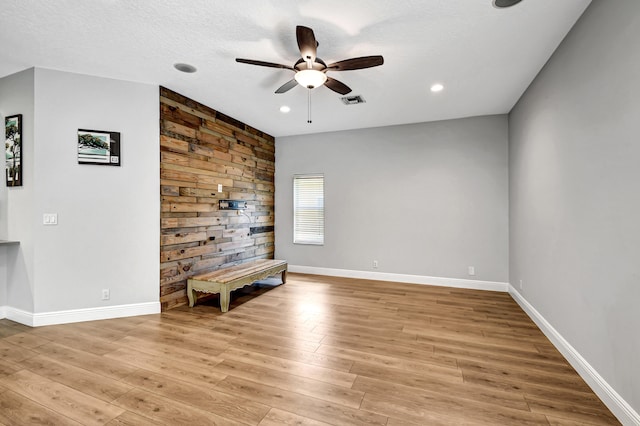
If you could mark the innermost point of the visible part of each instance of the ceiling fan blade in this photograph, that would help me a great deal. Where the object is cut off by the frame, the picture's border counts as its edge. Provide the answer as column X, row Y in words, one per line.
column 263, row 64
column 287, row 86
column 337, row 86
column 357, row 63
column 306, row 43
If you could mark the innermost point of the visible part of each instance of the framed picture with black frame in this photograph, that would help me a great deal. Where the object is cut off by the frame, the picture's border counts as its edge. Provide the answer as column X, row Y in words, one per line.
column 13, row 149
column 98, row 147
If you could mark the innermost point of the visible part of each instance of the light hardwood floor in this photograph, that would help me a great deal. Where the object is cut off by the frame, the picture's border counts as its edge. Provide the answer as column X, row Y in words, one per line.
column 314, row 351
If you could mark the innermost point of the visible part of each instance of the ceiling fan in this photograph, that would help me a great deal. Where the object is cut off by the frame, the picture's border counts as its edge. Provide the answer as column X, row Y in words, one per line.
column 311, row 71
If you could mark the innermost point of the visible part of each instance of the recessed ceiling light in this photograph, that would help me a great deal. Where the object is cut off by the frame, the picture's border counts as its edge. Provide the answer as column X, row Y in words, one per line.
column 284, row 109
column 505, row 3
column 185, row 68
column 437, row 88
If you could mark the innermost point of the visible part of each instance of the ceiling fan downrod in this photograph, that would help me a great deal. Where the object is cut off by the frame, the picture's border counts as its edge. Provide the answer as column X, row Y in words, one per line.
column 309, row 106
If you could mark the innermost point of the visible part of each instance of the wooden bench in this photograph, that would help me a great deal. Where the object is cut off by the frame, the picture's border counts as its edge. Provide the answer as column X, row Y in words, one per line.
column 224, row 281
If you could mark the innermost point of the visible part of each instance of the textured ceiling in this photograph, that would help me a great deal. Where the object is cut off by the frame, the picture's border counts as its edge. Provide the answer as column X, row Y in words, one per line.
column 485, row 57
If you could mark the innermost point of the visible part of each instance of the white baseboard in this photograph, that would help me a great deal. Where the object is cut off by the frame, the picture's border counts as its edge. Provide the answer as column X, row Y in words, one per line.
column 402, row 278
column 79, row 315
column 18, row 315
column 3, row 312
column 618, row 406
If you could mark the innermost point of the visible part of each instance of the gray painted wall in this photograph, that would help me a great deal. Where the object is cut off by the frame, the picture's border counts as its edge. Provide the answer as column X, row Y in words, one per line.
column 3, row 278
column 423, row 199
column 107, row 233
column 575, row 192
column 16, row 213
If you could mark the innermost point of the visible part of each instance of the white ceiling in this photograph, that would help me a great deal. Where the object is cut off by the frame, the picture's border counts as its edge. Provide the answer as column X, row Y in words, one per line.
column 485, row 57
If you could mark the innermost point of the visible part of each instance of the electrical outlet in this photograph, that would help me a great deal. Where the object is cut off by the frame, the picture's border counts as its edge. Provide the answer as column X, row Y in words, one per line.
column 521, row 285
column 219, row 187
column 375, row 263
column 105, row 294
column 472, row 270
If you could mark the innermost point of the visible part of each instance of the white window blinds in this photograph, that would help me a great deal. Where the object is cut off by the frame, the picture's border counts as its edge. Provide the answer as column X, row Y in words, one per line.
column 308, row 209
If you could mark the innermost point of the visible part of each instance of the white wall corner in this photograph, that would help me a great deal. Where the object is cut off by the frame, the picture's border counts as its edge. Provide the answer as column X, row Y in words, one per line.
column 618, row 406
column 80, row 315
column 402, row 278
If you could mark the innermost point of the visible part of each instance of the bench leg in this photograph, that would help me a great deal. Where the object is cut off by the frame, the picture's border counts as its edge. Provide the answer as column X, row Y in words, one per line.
column 193, row 297
column 284, row 276
column 225, row 295
column 191, row 294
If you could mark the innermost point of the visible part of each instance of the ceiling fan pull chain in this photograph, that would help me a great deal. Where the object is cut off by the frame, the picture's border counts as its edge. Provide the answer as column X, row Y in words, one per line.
column 309, row 106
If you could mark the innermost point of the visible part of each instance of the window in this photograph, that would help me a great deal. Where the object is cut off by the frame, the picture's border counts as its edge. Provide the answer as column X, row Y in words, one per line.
column 308, row 209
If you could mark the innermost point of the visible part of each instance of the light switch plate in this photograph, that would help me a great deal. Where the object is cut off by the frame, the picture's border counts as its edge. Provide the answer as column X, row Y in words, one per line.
column 50, row 219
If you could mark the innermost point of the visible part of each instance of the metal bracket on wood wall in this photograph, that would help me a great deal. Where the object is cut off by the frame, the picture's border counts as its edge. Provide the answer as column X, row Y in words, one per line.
column 232, row 204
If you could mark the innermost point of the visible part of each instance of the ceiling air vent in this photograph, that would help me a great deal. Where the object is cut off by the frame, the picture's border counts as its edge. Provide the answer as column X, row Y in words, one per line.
column 352, row 100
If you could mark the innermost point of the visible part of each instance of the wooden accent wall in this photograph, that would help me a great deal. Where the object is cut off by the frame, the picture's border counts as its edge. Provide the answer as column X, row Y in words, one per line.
column 201, row 148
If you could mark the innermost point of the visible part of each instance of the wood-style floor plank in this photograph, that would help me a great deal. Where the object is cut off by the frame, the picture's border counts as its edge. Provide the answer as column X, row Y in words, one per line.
column 7, row 368
column 170, row 350
column 432, row 411
column 173, row 367
column 317, row 358
column 316, row 351
column 14, row 353
column 277, row 417
column 300, row 404
column 78, row 339
column 17, row 410
column 76, row 405
column 98, row 364
column 593, row 414
column 26, row 340
column 295, row 368
column 129, row 418
column 446, row 391
column 168, row 411
column 428, row 376
column 426, row 361
column 207, row 398
column 82, row 380
column 303, row 385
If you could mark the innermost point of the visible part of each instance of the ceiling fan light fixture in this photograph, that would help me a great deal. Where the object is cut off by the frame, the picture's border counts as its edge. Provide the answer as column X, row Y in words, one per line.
column 310, row 78
column 437, row 88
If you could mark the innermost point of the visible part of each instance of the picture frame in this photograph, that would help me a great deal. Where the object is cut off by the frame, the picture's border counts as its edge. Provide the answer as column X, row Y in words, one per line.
column 13, row 149
column 98, row 147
